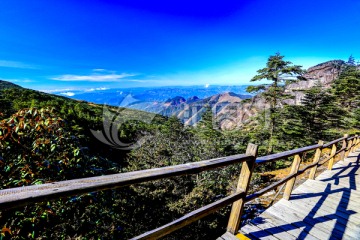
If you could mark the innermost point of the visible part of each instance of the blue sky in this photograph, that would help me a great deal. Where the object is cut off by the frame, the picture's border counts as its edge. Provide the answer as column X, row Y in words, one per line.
column 70, row 44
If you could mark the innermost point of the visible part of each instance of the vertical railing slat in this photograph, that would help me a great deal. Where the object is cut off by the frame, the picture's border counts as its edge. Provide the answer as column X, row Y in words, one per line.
column 354, row 143
column 344, row 144
column 243, row 185
column 348, row 148
column 332, row 155
column 316, row 160
column 290, row 184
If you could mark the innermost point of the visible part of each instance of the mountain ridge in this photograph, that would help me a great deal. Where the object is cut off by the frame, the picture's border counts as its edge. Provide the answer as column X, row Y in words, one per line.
column 230, row 110
column 5, row 85
column 232, row 107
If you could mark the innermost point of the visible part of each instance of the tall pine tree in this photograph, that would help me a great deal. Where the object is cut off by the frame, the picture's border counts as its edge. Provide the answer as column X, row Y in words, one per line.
column 346, row 88
column 279, row 73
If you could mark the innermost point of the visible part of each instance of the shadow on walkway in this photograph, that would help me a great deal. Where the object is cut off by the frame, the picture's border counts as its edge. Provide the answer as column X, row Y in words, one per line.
column 341, row 215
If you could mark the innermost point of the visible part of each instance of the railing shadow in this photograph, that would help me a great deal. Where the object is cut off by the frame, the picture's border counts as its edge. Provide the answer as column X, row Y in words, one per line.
column 341, row 214
column 351, row 175
column 344, row 203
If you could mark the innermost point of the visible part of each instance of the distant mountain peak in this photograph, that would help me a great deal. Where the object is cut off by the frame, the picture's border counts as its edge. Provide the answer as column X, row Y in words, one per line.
column 330, row 64
column 175, row 101
column 192, row 99
column 226, row 97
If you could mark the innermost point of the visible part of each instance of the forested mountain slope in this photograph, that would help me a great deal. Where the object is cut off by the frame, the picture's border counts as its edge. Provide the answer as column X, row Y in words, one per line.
column 45, row 138
column 5, row 85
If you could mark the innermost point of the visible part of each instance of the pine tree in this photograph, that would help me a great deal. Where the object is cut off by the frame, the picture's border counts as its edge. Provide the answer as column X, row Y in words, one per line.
column 320, row 112
column 346, row 88
column 207, row 126
column 351, row 61
column 280, row 73
column 317, row 118
column 5, row 107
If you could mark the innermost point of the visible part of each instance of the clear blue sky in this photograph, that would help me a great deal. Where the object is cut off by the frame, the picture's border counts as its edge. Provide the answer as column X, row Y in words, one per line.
column 80, row 44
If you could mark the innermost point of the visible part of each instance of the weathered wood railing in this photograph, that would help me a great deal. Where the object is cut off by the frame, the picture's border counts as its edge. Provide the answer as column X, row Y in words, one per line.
column 21, row 196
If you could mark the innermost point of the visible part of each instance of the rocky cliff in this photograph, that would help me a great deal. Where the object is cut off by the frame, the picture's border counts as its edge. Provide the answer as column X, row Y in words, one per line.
column 323, row 74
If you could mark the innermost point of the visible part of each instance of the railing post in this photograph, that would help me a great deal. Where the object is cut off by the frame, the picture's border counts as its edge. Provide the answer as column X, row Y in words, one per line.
column 290, row 184
column 354, row 143
column 316, row 160
column 357, row 142
column 343, row 153
column 348, row 148
column 243, row 185
column 332, row 155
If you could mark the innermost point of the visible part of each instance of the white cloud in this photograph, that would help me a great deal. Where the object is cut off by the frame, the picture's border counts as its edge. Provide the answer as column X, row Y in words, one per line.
column 15, row 64
column 138, row 80
column 99, row 70
column 56, row 90
column 93, row 77
column 72, row 91
column 96, row 89
column 70, row 94
column 18, row 80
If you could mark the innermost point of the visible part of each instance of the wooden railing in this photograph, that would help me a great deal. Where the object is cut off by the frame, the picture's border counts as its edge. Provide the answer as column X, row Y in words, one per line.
column 15, row 197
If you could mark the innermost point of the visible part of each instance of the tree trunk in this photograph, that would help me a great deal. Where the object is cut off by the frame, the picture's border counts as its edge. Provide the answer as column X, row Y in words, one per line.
column 271, row 129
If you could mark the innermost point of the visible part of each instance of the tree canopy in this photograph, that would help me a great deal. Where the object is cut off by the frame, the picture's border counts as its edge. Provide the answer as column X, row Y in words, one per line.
column 279, row 72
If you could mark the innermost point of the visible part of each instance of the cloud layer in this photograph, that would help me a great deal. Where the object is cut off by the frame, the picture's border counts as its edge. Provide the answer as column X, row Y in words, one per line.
column 15, row 64
column 93, row 77
column 70, row 94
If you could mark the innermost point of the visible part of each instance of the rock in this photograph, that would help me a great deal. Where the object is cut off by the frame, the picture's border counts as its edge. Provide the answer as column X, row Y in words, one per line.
column 272, row 192
column 323, row 74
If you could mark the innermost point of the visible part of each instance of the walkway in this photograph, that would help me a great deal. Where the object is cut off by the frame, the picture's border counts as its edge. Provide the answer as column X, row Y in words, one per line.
column 325, row 208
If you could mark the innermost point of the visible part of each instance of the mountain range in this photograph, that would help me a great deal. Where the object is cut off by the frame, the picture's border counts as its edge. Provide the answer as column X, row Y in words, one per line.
column 231, row 105
column 232, row 110
column 186, row 103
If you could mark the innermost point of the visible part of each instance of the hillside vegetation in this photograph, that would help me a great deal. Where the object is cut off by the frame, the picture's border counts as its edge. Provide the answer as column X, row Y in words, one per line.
column 45, row 138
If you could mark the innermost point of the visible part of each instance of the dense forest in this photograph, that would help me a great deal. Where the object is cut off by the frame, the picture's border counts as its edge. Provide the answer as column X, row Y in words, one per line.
column 45, row 138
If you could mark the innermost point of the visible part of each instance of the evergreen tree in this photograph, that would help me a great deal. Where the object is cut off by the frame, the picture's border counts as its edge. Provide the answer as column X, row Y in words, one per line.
column 280, row 73
column 351, row 61
column 207, row 127
column 292, row 132
column 320, row 112
column 346, row 88
column 315, row 119
column 5, row 107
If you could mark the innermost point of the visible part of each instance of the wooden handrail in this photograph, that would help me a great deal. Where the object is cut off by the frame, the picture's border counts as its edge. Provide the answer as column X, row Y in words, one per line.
column 270, row 187
column 290, row 153
column 292, row 175
column 191, row 217
column 351, row 138
column 15, row 197
column 31, row 194
column 333, row 142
